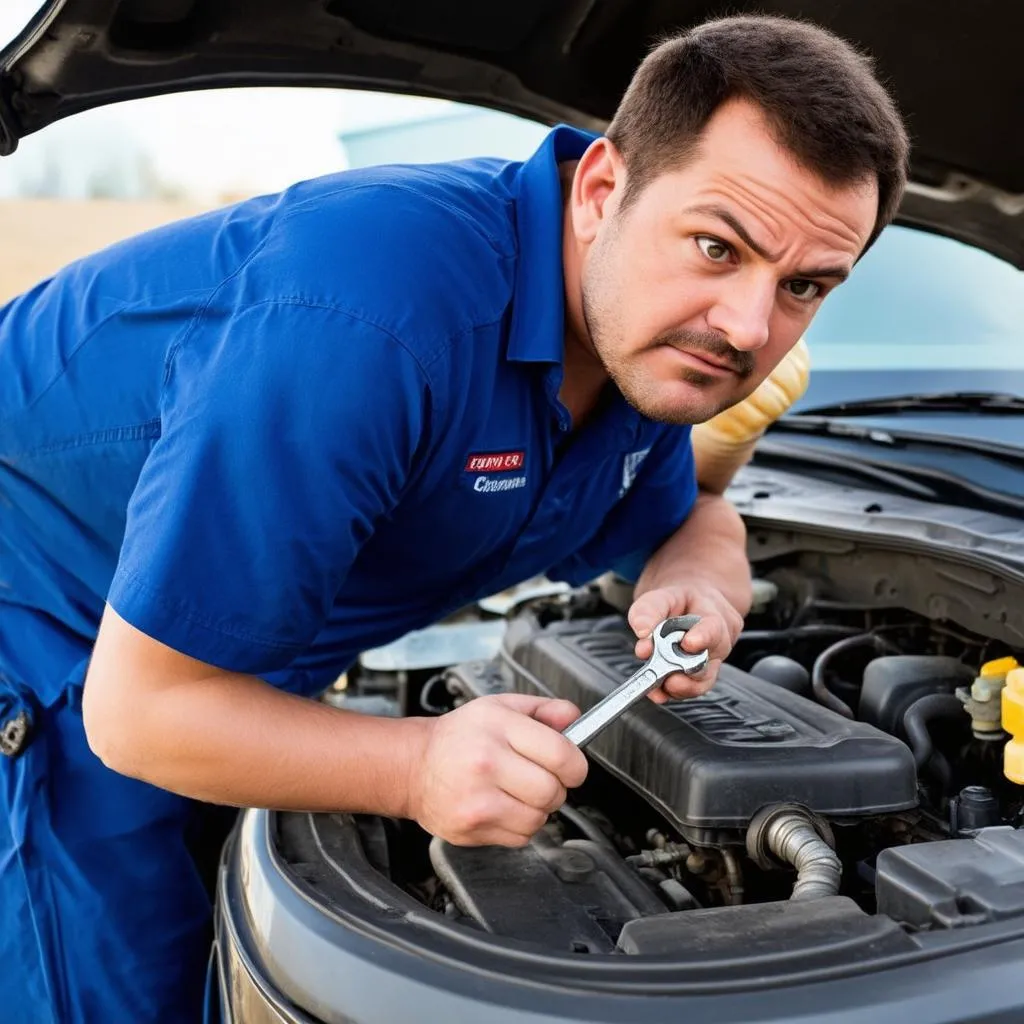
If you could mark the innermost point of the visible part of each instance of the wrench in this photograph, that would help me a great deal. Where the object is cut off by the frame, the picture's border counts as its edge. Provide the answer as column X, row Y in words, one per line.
column 667, row 658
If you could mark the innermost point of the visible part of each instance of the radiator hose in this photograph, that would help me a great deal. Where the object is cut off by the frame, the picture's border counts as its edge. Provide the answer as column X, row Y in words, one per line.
column 788, row 834
column 916, row 720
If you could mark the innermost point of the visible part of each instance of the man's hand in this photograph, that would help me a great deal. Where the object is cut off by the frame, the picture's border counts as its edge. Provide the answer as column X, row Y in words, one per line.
column 493, row 770
column 719, row 626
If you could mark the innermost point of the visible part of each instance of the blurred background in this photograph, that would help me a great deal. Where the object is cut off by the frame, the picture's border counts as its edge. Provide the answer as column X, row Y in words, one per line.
column 98, row 177
column 917, row 302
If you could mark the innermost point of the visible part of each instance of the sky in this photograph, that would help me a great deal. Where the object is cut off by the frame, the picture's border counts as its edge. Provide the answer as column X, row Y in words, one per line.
column 215, row 142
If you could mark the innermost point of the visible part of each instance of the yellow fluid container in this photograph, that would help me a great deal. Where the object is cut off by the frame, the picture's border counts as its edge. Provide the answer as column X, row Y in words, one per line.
column 982, row 701
column 1013, row 723
column 999, row 667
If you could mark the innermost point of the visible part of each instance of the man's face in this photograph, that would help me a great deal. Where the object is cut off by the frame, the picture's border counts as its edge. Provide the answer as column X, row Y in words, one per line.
column 693, row 293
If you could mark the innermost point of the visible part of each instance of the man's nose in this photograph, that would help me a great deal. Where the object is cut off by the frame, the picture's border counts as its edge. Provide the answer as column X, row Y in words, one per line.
column 743, row 312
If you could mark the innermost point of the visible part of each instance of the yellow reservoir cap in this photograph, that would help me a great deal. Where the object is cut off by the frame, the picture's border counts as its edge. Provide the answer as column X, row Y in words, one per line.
column 1013, row 723
column 999, row 667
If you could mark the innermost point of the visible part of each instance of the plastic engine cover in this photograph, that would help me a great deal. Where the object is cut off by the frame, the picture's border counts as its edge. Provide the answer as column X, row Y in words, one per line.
column 711, row 762
column 953, row 883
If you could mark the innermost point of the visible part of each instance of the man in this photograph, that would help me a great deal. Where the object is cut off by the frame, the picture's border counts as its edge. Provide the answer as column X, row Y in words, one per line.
column 239, row 450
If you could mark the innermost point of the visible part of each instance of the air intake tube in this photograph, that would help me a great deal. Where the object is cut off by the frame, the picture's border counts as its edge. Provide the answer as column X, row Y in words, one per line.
column 788, row 834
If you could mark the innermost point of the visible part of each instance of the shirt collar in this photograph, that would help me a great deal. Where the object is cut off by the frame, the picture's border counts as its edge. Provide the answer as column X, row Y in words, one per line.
column 538, row 312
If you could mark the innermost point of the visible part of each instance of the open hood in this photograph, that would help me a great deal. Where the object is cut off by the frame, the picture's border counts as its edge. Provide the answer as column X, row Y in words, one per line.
column 955, row 69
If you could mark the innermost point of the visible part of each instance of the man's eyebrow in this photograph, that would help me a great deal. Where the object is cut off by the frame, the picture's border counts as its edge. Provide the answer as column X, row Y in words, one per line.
column 724, row 215
column 840, row 273
column 727, row 217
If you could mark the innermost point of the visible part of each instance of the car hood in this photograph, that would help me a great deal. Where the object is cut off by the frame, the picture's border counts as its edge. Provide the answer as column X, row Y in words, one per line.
column 956, row 72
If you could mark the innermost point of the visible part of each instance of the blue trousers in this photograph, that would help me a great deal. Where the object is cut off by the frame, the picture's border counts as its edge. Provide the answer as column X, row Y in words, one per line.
column 104, row 901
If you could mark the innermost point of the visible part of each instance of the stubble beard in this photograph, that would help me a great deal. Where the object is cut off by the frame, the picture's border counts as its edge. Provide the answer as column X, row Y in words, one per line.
column 645, row 394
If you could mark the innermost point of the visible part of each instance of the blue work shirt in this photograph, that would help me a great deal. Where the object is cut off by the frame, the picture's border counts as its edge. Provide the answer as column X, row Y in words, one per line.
column 288, row 430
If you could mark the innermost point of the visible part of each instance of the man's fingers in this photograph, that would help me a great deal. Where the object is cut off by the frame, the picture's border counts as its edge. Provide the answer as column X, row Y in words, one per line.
column 542, row 745
column 485, row 815
column 644, row 648
column 530, row 784
column 680, row 686
column 647, row 611
column 528, row 704
column 710, row 634
column 556, row 714
column 552, row 712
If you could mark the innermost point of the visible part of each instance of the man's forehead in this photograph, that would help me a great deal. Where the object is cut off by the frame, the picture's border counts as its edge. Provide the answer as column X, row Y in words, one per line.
column 739, row 163
column 768, row 211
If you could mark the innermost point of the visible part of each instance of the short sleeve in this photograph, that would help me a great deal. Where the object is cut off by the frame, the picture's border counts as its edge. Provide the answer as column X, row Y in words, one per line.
column 287, row 431
column 656, row 505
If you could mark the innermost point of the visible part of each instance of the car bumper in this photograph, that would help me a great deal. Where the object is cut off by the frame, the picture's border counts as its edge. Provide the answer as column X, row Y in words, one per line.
column 282, row 957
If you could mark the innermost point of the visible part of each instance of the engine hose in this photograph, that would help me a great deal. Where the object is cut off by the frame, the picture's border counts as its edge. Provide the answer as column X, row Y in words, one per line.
column 818, row 869
column 915, row 725
column 823, row 694
column 589, row 828
column 792, row 838
column 806, row 632
column 733, row 875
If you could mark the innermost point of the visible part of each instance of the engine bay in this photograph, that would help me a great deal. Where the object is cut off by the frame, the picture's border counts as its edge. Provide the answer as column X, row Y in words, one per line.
column 845, row 768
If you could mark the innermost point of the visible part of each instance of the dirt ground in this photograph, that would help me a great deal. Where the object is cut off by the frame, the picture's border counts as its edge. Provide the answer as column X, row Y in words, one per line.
column 39, row 236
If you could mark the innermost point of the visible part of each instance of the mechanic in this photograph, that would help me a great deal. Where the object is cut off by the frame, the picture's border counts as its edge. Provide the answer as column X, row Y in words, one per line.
column 239, row 450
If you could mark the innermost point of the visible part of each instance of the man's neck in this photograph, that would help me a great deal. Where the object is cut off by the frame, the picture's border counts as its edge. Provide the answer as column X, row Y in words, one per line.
column 583, row 375
column 583, row 381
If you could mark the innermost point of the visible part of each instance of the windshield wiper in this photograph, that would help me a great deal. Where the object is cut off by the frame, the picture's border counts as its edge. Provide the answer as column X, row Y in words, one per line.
column 986, row 402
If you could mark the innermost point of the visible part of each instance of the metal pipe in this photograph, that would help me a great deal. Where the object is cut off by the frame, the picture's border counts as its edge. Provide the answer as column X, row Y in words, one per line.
column 793, row 839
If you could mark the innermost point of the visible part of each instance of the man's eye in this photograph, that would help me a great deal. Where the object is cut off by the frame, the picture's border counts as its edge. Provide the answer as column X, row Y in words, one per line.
column 713, row 249
column 804, row 290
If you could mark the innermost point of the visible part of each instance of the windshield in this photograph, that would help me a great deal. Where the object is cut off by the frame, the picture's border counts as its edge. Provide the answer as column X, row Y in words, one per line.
column 918, row 301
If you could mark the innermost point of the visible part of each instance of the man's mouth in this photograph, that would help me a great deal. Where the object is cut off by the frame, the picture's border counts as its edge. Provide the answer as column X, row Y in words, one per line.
column 706, row 364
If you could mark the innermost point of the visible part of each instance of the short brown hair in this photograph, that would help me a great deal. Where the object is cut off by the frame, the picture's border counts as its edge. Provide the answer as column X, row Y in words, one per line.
column 819, row 96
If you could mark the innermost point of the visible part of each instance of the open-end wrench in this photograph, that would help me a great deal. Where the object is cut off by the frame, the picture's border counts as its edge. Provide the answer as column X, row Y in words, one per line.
column 668, row 657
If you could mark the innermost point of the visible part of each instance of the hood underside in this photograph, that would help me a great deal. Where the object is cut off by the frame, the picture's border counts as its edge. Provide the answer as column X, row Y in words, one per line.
column 954, row 68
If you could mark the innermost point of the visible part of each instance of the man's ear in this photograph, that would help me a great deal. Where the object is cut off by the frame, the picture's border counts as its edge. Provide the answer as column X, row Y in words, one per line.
column 596, row 188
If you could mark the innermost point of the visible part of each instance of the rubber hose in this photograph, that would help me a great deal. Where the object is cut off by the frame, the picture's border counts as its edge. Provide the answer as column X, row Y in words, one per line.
column 589, row 828
column 823, row 694
column 808, row 631
column 915, row 725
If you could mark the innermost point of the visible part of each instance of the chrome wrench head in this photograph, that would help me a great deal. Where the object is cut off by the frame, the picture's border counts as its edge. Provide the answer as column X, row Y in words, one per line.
column 668, row 637
column 667, row 657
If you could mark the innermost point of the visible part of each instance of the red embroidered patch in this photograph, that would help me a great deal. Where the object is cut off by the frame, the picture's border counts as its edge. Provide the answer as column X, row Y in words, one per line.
column 495, row 462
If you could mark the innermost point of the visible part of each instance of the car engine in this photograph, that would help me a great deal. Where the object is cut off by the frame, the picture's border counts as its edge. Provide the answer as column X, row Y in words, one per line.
column 847, row 744
column 711, row 762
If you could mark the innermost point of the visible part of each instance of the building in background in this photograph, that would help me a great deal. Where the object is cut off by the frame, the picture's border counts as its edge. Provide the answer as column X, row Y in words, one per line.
column 454, row 133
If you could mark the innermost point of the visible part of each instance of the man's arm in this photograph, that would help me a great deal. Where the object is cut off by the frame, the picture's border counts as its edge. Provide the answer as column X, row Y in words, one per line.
column 710, row 547
column 488, row 773
column 702, row 569
column 288, row 431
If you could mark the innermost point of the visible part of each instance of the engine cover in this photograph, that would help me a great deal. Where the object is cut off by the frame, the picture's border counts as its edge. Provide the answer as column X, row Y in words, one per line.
column 711, row 762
